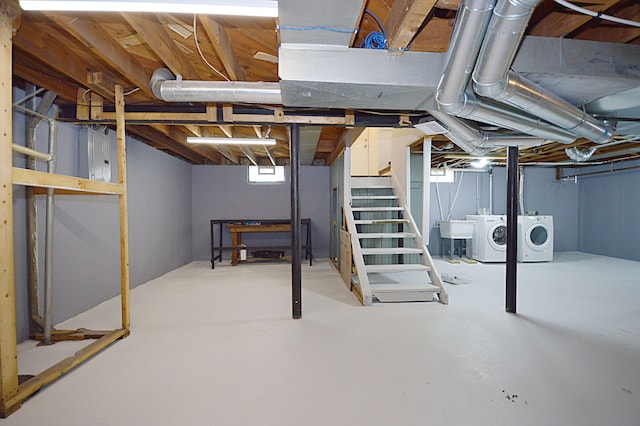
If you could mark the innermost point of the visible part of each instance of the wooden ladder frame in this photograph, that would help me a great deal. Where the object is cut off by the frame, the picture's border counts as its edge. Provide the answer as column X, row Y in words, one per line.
column 12, row 393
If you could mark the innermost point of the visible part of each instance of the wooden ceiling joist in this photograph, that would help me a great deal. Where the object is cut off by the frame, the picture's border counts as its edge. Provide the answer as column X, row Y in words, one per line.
column 404, row 21
column 222, row 44
column 156, row 36
column 95, row 38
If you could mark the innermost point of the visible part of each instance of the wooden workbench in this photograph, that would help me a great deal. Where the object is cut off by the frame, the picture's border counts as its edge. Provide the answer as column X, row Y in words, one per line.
column 237, row 227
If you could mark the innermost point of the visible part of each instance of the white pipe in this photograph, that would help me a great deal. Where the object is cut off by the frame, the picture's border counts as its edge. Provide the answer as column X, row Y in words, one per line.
column 29, row 96
column 490, row 191
column 31, row 152
column 521, row 191
column 36, row 114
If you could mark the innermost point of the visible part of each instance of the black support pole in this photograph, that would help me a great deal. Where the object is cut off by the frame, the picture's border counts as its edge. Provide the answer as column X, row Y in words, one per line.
column 512, row 228
column 296, row 242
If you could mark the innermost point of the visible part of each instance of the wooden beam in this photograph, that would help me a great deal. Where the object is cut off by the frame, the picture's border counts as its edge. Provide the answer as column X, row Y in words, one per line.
column 27, row 70
column 222, row 44
column 180, row 139
column 94, row 37
column 347, row 137
column 50, row 180
column 124, row 209
column 164, row 142
column 249, row 154
column 34, row 384
column 404, row 21
column 561, row 22
column 45, row 45
column 613, row 32
column 155, row 35
column 8, row 343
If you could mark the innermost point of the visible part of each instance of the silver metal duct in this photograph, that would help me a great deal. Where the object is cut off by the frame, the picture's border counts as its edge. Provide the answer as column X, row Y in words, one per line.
column 466, row 40
column 166, row 88
column 502, row 116
column 493, row 79
column 471, row 24
column 477, row 142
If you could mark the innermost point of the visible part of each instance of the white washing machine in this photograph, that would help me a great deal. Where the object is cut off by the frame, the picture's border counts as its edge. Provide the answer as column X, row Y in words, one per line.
column 489, row 243
column 535, row 238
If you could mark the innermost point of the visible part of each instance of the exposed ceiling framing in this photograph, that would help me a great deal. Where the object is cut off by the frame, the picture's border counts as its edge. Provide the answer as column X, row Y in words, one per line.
column 81, row 57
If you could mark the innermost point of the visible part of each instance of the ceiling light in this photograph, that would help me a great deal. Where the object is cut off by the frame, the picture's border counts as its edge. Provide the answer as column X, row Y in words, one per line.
column 263, row 8
column 479, row 163
column 232, row 141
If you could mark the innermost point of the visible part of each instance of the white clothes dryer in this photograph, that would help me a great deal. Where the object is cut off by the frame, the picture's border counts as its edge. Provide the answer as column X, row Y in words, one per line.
column 489, row 242
column 535, row 238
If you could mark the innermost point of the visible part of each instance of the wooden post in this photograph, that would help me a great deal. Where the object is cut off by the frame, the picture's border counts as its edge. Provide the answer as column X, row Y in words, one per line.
column 8, row 343
column 124, row 210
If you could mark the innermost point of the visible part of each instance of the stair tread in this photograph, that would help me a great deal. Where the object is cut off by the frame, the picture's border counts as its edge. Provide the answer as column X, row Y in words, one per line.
column 404, row 287
column 375, row 221
column 386, row 235
column 376, row 209
column 391, row 250
column 375, row 197
column 396, row 268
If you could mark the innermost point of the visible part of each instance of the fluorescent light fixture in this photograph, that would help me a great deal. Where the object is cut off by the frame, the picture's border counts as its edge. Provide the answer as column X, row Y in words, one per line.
column 262, row 8
column 479, row 163
column 232, row 141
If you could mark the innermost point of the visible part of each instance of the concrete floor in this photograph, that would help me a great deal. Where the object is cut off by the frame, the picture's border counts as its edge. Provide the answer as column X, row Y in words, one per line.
column 219, row 347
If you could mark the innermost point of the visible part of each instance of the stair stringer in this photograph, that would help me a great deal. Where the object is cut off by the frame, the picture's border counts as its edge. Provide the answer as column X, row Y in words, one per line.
column 427, row 260
column 358, row 259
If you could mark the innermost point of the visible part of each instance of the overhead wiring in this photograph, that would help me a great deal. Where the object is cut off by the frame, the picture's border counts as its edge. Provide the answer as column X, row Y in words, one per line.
column 598, row 15
column 375, row 39
column 195, row 38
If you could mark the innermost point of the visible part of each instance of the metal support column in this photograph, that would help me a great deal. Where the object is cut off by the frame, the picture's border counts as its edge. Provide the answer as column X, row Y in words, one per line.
column 512, row 228
column 296, row 242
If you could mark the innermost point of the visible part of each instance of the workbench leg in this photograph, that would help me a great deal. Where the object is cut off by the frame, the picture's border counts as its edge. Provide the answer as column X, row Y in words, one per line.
column 236, row 241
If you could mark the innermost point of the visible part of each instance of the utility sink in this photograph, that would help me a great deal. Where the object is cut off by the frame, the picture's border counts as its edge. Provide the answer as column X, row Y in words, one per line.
column 459, row 229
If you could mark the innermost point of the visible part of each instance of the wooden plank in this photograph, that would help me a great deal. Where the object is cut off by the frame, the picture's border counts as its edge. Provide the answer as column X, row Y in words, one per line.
column 347, row 137
column 222, row 44
column 52, row 180
column 94, row 37
column 43, row 191
column 155, row 35
column 345, row 258
column 124, row 209
column 8, row 348
column 45, row 45
column 34, row 384
column 560, row 23
column 404, row 21
column 158, row 117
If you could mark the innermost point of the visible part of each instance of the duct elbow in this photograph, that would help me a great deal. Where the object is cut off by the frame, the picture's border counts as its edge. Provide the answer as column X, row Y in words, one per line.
column 160, row 76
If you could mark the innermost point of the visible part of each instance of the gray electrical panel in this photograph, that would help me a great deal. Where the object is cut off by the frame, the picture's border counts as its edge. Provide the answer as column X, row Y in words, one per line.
column 94, row 156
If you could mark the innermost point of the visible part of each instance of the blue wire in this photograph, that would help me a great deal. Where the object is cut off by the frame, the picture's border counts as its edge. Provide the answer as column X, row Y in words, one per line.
column 377, row 39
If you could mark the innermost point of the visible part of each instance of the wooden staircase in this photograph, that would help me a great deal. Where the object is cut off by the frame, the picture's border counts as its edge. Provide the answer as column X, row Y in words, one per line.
column 392, row 263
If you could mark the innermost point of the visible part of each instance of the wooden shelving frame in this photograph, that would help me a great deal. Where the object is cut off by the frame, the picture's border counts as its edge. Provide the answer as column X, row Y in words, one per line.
column 13, row 393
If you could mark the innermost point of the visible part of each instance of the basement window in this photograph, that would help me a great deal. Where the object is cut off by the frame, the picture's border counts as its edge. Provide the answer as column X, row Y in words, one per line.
column 266, row 174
